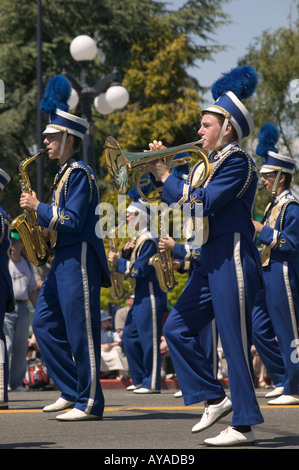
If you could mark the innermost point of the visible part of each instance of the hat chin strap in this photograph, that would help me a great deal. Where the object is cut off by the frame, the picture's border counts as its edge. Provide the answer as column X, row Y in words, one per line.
column 221, row 135
column 62, row 145
column 276, row 183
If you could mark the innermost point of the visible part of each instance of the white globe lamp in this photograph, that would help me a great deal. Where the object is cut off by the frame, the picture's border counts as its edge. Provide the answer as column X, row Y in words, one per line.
column 73, row 100
column 83, row 48
column 117, row 96
column 101, row 105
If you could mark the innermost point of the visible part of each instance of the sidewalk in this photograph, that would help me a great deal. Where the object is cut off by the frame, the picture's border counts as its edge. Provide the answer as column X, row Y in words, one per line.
column 108, row 384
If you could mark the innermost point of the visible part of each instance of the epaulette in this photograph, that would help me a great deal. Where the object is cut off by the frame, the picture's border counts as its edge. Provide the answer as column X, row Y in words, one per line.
column 75, row 166
column 222, row 160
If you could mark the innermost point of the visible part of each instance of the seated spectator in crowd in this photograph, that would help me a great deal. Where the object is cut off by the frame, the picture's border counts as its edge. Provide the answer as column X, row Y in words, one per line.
column 113, row 360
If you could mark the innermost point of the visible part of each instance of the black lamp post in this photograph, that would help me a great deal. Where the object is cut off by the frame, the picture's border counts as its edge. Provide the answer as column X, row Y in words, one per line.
column 83, row 50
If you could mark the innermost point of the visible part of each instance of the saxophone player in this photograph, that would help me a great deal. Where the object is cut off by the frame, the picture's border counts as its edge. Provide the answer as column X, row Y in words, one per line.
column 67, row 322
column 143, row 329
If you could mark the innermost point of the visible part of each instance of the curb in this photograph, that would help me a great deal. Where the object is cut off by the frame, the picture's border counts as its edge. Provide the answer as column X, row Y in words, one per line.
column 109, row 384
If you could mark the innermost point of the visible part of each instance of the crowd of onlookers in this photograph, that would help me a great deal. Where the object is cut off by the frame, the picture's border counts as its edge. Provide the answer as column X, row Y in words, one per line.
column 27, row 280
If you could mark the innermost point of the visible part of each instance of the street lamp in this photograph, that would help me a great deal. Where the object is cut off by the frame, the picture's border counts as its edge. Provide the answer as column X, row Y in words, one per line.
column 83, row 50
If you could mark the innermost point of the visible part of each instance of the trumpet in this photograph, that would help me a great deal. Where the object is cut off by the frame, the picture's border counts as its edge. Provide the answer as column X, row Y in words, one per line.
column 125, row 167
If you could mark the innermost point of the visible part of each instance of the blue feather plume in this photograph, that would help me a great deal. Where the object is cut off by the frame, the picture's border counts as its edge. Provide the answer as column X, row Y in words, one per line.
column 242, row 81
column 146, row 187
column 180, row 171
column 57, row 94
column 267, row 138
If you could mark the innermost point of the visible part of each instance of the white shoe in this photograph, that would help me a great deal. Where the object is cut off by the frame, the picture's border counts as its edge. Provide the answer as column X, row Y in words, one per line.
column 178, row 394
column 77, row 415
column 275, row 393
column 213, row 413
column 133, row 387
column 232, row 437
column 145, row 390
column 285, row 400
column 59, row 405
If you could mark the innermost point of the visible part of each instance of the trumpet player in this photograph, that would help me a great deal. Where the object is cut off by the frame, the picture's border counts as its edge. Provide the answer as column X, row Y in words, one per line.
column 227, row 283
column 67, row 322
column 143, row 328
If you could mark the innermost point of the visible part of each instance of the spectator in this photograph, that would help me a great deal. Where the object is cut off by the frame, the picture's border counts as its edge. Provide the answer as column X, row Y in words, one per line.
column 122, row 313
column 112, row 356
column 16, row 323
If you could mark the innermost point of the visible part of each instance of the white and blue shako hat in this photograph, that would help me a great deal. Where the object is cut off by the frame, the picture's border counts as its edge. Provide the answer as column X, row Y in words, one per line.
column 267, row 139
column 55, row 103
column 4, row 179
column 228, row 92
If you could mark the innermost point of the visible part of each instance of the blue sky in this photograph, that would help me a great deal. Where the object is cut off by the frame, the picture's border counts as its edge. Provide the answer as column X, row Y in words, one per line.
column 249, row 18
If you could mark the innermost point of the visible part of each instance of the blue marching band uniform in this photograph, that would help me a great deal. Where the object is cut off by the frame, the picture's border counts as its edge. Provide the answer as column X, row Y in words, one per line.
column 277, row 309
column 225, row 284
column 6, row 290
column 67, row 322
column 143, row 328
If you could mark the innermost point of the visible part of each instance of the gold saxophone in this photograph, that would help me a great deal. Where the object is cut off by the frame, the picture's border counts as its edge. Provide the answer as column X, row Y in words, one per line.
column 26, row 223
column 162, row 262
column 117, row 289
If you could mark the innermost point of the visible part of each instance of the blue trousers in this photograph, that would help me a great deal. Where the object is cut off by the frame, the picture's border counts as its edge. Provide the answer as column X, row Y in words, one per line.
column 225, row 286
column 67, row 326
column 282, row 297
column 263, row 338
column 141, row 339
column 16, row 329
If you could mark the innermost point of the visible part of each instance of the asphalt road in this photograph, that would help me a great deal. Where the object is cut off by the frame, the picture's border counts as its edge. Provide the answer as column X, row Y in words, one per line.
column 133, row 422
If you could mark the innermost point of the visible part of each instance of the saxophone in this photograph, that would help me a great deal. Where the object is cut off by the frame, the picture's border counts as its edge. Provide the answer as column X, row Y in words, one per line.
column 117, row 290
column 26, row 224
column 162, row 262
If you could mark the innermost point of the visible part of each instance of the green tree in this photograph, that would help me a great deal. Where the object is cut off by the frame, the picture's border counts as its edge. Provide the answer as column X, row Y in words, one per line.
column 274, row 56
column 116, row 26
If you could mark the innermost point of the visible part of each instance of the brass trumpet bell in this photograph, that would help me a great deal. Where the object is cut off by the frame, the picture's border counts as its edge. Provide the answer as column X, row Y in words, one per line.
column 126, row 166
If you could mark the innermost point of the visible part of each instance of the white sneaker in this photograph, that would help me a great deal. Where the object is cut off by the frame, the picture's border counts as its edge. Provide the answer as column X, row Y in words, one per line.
column 59, row 405
column 275, row 393
column 213, row 413
column 133, row 387
column 77, row 415
column 285, row 400
column 232, row 437
column 178, row 394
column 145, row 390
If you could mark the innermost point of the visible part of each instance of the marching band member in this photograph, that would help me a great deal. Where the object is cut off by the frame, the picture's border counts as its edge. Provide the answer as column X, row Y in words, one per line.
column 279, row 236
column 67, row 322
column 6, row 289
column 186, row 257
column 143, row 328
column 230, row 277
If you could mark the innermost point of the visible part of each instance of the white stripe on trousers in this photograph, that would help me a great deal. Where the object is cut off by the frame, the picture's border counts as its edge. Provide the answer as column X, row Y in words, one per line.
column 285, row 270
column 91, row 352
column 241, row 295
column 155, row 345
